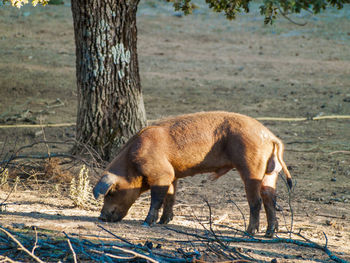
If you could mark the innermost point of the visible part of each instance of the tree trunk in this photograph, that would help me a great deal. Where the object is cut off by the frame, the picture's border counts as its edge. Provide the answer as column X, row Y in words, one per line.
column 110, row 102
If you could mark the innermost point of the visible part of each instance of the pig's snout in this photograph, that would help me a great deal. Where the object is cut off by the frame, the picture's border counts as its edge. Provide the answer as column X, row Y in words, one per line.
column 110, row 217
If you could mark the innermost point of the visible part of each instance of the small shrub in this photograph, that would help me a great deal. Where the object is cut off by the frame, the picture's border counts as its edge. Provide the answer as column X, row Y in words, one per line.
column 4, row 176
column 16, row 183
column 4, row 179
column 54, row 173
column 80, row 190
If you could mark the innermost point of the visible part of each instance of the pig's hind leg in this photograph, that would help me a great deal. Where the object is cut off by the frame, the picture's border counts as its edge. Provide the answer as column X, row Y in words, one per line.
column 252, row 175
column 169, row 201
column 268, row 193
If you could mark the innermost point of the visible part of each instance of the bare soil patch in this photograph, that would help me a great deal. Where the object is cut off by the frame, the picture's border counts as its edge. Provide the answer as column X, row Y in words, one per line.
column 195, row 63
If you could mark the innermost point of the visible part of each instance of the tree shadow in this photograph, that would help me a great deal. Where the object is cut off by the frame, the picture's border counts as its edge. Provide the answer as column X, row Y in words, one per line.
column 47, row 216
column 203, row 230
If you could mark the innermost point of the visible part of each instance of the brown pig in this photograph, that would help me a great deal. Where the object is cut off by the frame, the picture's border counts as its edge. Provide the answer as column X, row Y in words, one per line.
column 191, row 144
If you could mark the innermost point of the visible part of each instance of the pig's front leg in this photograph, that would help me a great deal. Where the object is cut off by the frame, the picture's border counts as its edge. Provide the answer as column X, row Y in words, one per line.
column 158, row 194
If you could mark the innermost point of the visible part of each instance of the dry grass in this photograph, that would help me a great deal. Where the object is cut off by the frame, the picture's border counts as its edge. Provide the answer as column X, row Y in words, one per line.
column 80, row 190
column 4, row 175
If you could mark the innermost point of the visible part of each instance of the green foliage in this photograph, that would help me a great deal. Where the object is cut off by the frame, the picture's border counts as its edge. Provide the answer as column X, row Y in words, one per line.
column 269, row 8
column 183, row 5
column 20, row 3
column 230, row 8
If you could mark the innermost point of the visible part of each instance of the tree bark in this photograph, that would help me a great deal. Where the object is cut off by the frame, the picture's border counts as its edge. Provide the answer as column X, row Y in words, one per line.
column 110, row 102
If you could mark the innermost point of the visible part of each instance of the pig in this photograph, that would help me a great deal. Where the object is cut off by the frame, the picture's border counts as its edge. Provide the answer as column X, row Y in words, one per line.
column 205, row 142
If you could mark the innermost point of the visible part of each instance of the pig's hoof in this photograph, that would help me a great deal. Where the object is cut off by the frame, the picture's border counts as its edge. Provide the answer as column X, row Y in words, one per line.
column 252, row 230
column 165, row 219
column 103, row 219
column 145, row 224
column 163, row 222
column 269, row 233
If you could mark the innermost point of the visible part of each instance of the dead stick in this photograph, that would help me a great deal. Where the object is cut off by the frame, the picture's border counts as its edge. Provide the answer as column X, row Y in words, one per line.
column 218, row 240
column 309, row 243
column 6, row 259
column 71, row 248
column 120, row 238
column 36, row 240
column 136, row 254
column 328, row 117
column 111, row 255
column 331, row 216
column 241, row 212
column 7, row 197
column 46, row 144
column 20, row 245
column 37, row 125
column 345, row 152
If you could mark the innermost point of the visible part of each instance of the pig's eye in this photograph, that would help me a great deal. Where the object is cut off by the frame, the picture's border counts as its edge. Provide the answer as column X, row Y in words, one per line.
column 113, row 189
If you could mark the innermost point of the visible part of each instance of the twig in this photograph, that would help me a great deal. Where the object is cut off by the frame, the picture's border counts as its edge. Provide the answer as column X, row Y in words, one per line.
column 111, row 255
column 211, row 226
column 6, row 259
column 15, row 154
column 71, row 247
column 345, row 152
column 219, row 241
column 92, row 152
column 285, row 15
column 309, row 243
column 290, row 191
column 327, row 117
column 45, row 156
column 325, row 236
column 301, row 142
column 290, row 209
column 96, row 162
column 2, row 152
column 240, row 211
column 136, row 254
column 46, row 144
column 232, row 228
column 37, row 125
column 7, row 197
column 118, row 237
column 332, row 216
column 36, row 240
column 20, row 245
column 323, row 248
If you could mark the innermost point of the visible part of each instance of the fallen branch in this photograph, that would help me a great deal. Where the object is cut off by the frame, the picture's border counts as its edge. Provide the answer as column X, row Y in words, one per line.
column 37, row 125
column 118, row 237
column 71, row 248
column 309, row 244
column 345, row 152
column 21, row 246
column 285, row 15
column 6, row 260
column 136, row 254
column 36, row 241
column 38, row 156
column 112, row 256
column 327, row 117
column 93, row 161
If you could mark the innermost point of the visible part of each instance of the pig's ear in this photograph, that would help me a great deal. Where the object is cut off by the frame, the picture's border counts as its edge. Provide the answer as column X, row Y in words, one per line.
column 104, row 185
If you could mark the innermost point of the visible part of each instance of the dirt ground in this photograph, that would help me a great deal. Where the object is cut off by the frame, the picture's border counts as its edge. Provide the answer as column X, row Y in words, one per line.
column 195, row 63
